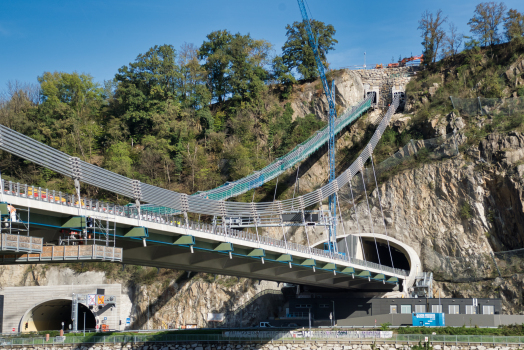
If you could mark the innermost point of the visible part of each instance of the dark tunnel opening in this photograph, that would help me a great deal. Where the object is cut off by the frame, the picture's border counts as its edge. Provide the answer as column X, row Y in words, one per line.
column 50, row 314
column 400, row 260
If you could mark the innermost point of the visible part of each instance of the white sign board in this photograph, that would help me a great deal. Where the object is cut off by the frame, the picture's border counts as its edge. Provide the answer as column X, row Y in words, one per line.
column 91, row 299
column 212, row 317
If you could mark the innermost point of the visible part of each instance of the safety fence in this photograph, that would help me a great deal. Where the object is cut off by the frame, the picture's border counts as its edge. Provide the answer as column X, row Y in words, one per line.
column 39, row 153
column 268, row 336
column 112, row 210
column 489, row 106
column 299, row 153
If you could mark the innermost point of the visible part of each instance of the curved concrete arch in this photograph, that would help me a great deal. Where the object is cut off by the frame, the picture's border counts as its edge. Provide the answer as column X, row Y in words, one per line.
column 410, row 253
column 24, row 317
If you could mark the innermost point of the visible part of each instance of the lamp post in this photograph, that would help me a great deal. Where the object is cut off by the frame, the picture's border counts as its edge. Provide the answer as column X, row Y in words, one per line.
column 334, row 318
column 84, row 324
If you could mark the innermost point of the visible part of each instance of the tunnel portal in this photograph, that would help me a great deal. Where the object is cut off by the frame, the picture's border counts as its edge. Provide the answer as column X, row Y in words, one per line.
column 50, row 314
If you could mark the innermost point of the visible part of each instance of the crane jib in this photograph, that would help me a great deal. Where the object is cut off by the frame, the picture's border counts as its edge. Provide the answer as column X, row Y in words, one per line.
column 332, row 115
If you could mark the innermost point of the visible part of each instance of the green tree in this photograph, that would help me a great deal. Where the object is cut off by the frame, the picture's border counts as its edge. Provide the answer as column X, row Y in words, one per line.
column 298, row 54
column 486, row 20
column 432, row 35
column 194, row 93
column 118, row 159
column 215, row 53
column 235, row 65
column 69, row 111
column 146, row 87
column 514, row 25
column 282, row 75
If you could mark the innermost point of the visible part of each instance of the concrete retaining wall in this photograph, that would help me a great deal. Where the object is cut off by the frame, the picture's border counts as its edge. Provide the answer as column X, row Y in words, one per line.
column 298, row 345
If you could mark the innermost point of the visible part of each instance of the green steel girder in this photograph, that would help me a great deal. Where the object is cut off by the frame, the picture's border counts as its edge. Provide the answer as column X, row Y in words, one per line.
column 185, row 240
column 224, row 247
column 258, row 253
column 285, row 258
column 139, row 232
column 75, row 222
column 309, row 262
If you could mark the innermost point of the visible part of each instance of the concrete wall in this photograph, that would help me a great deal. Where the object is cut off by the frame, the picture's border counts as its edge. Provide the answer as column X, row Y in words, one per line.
column 451, row 320
column 364, row 311
column 19, row 301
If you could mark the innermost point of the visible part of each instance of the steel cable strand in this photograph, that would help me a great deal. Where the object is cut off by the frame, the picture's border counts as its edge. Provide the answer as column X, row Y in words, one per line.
column 370, row 218
column 356, row 216
column 343, row 228
column 381, row 210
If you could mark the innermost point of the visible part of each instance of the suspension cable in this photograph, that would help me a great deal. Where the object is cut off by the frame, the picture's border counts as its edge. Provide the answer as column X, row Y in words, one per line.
column 356, row 216
column 295, row 188
column 369, row 211
column 381, row 210
column 343, row 228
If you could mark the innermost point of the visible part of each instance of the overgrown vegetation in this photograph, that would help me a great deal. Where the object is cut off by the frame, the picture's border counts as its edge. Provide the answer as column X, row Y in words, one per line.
column 187, row 120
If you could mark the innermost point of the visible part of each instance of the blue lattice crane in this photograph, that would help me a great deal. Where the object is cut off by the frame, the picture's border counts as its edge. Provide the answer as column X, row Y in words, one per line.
column 332, row 116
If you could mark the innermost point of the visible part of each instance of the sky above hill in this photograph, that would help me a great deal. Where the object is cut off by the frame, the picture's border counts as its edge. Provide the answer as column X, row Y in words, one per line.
column 99, row 36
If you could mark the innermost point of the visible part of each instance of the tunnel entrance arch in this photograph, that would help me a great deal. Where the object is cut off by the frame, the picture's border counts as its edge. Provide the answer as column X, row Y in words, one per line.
column 50, row 314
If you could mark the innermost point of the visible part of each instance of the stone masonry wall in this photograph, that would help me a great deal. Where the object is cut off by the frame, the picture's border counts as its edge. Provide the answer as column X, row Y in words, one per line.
column 386, row 79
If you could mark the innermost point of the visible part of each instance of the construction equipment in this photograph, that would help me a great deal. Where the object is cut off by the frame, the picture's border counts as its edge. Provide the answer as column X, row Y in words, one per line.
column 330, row 95
column 379, row 66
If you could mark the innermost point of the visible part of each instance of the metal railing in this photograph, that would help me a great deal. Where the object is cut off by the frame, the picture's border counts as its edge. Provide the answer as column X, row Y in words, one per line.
column 39, row 153
column 173, row 220
column 299, row 153
column 268, row 336
column 20, row 243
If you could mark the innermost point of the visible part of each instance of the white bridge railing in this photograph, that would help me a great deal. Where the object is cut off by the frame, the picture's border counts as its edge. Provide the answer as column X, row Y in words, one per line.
column 174, row 219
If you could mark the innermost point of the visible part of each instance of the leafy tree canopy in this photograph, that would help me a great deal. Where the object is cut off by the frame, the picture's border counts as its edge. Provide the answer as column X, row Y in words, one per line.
column 236, row 65
column 298, row 54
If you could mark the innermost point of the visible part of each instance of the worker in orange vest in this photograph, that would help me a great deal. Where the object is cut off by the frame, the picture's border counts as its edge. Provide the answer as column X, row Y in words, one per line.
column 12, row 212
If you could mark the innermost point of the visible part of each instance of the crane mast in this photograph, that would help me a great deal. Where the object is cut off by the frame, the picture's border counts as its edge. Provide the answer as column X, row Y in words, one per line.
column 332, row 116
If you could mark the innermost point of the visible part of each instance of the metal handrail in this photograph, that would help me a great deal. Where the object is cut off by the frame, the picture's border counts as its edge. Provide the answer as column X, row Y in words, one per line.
column 30, row 192
column 243, row 335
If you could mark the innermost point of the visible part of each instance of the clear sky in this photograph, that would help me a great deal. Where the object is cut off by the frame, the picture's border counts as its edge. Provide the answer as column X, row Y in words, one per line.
column 99, row 36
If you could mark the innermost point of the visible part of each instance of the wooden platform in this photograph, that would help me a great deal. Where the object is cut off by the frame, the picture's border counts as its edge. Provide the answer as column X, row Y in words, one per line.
column 66, row 253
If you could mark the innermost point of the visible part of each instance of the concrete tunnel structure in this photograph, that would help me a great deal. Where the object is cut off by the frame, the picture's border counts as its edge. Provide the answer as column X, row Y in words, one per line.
column 362, row 247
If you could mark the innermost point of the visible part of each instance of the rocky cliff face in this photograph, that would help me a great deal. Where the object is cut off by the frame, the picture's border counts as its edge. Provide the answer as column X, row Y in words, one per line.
column 173, row 298
column 310, row 98
column 459, row 214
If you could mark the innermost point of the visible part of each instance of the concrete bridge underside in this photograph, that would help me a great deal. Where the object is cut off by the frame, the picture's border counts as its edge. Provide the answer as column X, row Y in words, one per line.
column 47, row 218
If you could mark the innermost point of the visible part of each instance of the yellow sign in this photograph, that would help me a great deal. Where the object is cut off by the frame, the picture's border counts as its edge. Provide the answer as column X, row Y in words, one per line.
column 100, row 299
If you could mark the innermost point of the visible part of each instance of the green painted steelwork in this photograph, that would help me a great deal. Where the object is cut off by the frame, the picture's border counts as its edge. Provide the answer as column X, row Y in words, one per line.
column 349, row 270
column 75, row 222
column 3, row 209
column 309, row 262
column 257, row 253
column 285, row 258
column 379, row 277
column 140, row 232
column 185, row 240
column 330, row 266
column 365, row 274
column 224, row 247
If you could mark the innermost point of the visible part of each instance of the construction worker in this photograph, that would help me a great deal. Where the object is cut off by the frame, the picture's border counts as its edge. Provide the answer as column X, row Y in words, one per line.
column 12, row 212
